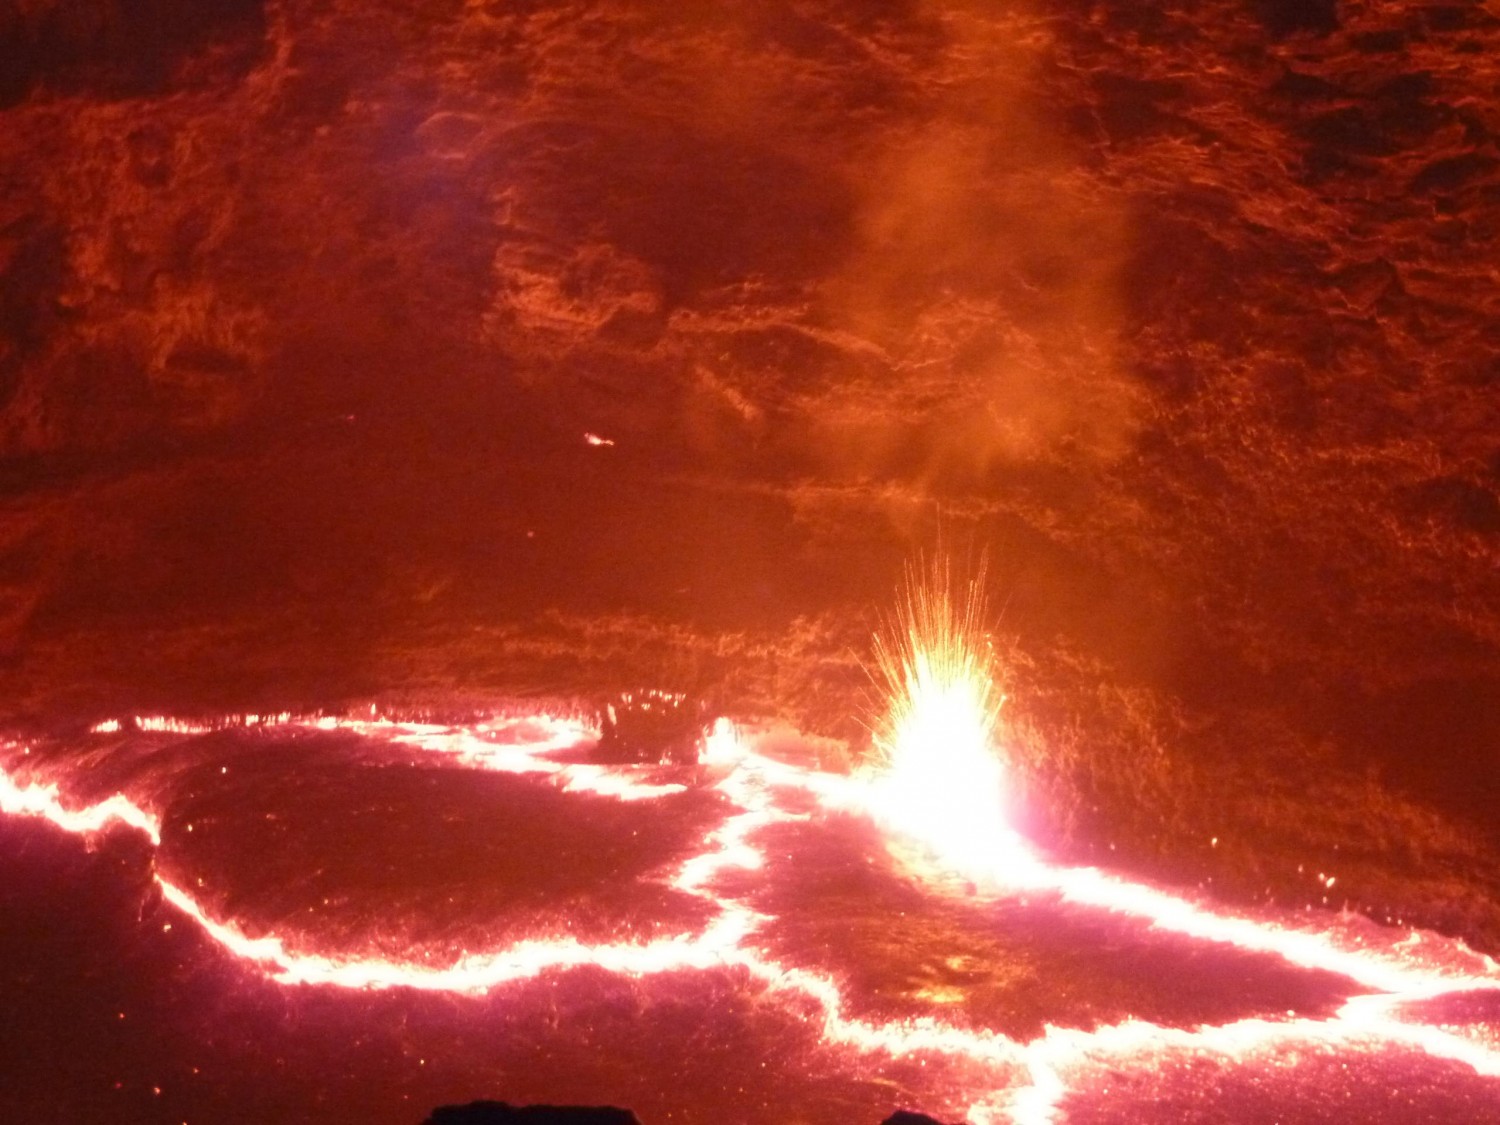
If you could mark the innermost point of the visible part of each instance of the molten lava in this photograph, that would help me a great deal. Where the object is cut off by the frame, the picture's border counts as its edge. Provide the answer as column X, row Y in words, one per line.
column 940, row 780
column 941, row 787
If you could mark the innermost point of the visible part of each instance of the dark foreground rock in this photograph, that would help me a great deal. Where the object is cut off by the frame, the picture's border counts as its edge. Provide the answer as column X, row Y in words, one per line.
column 651, row 726
column 502, row 1113
column 907, row 1117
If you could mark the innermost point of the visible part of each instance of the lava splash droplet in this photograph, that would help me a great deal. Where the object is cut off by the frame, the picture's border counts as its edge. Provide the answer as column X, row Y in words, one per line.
column 939, row 778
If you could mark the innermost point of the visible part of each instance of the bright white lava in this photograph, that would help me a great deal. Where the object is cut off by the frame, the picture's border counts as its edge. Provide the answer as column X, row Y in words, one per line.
column 939, row 778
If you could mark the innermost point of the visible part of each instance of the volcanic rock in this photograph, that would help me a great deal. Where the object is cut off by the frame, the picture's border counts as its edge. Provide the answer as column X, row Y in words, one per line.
column 651, row 726
column 502, row 1113
column 907, row 1117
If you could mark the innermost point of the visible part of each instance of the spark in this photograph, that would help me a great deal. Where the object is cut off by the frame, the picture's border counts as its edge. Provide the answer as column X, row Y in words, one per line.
column 938, row 780
column 596, row 440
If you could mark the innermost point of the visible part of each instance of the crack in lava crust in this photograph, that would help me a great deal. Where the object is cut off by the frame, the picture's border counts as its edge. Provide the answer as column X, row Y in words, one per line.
column 750, row 782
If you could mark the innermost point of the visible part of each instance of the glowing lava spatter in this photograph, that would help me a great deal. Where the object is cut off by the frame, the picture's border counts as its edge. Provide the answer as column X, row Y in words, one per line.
column 1027, row 1080
column 940, row 779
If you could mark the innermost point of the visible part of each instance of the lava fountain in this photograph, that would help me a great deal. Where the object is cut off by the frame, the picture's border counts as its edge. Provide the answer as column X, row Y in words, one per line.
column 940, row 779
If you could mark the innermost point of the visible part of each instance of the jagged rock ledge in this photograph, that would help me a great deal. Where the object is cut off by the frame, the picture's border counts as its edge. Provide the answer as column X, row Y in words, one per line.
column 502, row 1113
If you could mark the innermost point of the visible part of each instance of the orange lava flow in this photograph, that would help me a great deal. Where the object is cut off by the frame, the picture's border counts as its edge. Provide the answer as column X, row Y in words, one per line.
column 1028, row 1079
column 43, row 800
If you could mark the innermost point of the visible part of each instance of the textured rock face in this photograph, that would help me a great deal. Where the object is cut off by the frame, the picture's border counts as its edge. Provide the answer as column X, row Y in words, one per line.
column 123, row 48
column 1185, row 313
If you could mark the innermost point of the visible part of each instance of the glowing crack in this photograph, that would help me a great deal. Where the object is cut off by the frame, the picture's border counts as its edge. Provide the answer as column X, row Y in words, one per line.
column 749, row 782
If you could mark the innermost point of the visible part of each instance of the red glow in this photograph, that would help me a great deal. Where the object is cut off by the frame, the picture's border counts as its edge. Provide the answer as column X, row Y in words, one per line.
column 1395, row 973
